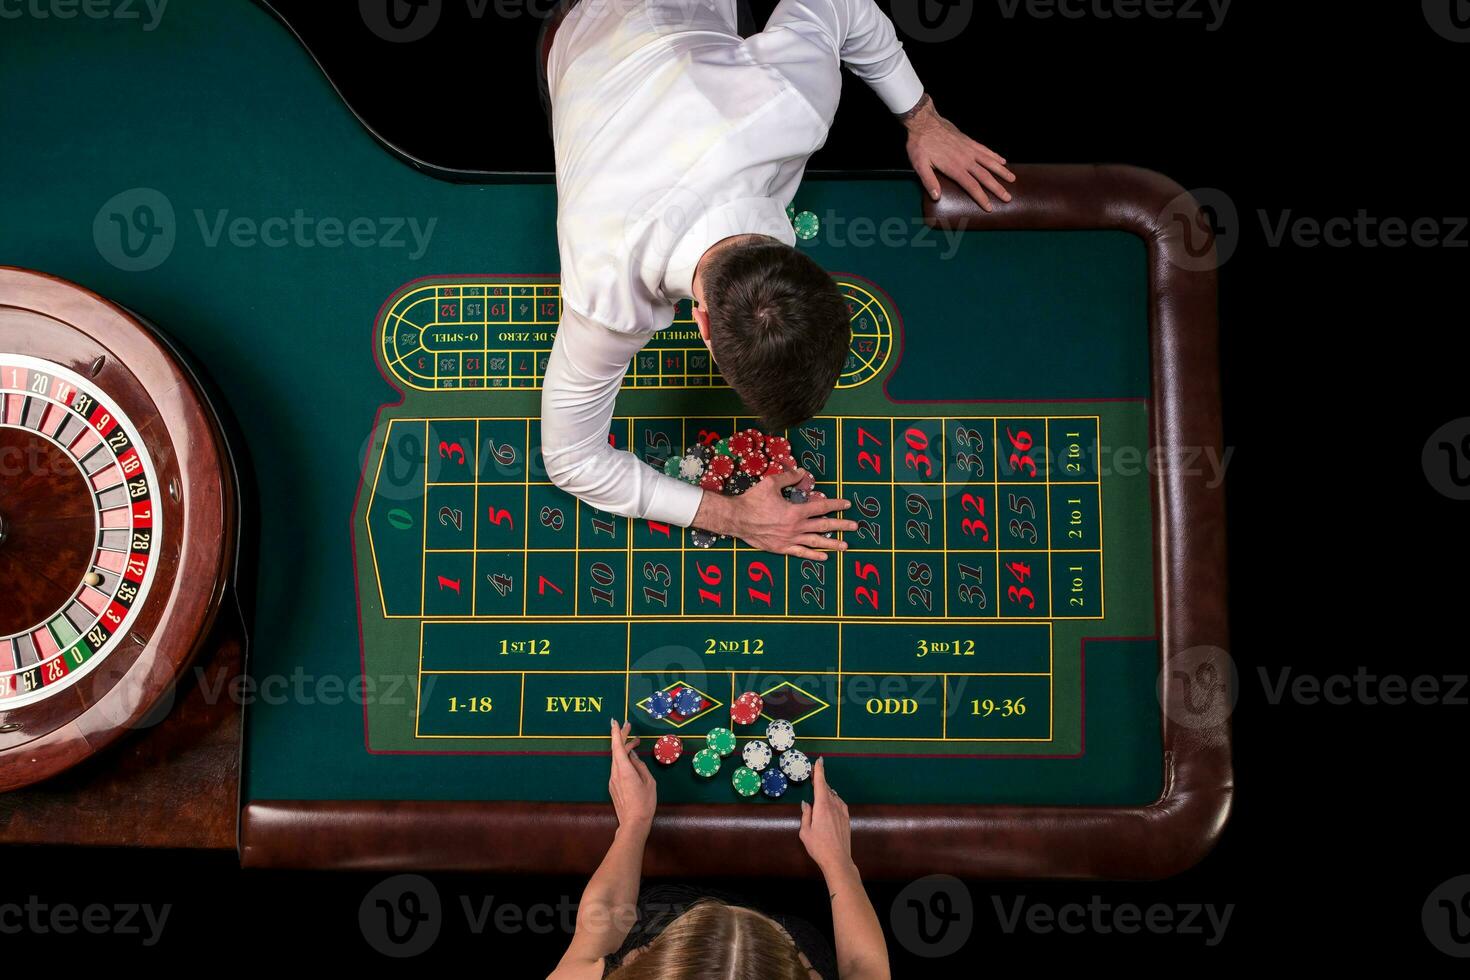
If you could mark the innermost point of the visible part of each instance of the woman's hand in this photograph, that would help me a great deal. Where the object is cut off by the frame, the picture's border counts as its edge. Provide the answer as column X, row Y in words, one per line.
column 937, row 146
column 825, row 829
column 634, row 793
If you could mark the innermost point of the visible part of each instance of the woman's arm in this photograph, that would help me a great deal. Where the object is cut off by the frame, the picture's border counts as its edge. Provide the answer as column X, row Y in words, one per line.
column 609, row 906
column 862, row 952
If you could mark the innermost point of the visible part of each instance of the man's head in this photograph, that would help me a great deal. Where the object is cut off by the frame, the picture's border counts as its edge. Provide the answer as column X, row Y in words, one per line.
column 777, row 326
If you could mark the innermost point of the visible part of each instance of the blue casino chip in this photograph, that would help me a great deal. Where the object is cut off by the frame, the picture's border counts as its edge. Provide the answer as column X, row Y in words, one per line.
column 688, row 702
column 661, row 704
column 773, row 783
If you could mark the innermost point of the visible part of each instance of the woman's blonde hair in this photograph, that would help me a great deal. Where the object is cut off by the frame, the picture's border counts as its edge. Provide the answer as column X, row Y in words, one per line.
column 716, row 941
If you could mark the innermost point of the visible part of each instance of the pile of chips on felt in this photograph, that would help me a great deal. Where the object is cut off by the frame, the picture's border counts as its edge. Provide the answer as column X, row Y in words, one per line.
column 731, row 467
column 756, row 775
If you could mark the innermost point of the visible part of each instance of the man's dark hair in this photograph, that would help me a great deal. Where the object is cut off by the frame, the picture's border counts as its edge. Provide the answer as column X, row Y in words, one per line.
column 779, row 329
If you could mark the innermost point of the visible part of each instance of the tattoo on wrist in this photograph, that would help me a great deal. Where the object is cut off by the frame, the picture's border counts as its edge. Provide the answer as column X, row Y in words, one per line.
column 923, row 103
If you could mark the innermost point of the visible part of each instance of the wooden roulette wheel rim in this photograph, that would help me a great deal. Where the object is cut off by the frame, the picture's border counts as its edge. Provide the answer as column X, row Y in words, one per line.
column 117, row 524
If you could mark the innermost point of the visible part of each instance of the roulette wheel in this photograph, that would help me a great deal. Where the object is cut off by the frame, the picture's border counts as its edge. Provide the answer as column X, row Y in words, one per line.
column 117, row 523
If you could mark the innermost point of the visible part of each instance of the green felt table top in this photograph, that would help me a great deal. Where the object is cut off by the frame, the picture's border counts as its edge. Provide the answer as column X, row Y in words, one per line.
column 205, row 175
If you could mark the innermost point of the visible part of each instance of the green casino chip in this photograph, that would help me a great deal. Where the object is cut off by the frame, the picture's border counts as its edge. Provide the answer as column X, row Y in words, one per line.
column 746, row 781
column 722, row 740
column 707, row 763
column 807, row 225
column 722, row 448
column 671, row 466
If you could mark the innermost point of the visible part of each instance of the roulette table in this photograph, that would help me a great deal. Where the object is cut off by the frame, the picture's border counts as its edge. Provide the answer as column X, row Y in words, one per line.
column 1015, row 670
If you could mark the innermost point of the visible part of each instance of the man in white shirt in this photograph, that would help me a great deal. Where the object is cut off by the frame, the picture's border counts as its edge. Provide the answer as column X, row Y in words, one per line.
column 678, row 146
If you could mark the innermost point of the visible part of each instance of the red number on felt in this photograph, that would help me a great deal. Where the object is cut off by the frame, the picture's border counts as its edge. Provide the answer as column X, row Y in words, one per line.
column 973, row 525
column 1022, row 443
column 1021, row 570
column 760, row 571
column 1018, row 595
column 874, row 463
column 866, row 571
column 711, row 575
column 497, row 517
column 864, row 435
column 543, row 583
column 448, row 583
column 913, row 462
column 918, row 441
column 449, row 450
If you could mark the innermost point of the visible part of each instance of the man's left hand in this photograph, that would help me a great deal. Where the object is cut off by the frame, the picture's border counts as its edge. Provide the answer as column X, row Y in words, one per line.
column 936, row 147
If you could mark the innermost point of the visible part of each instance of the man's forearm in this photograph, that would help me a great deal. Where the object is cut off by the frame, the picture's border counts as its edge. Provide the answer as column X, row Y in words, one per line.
column 717, row 514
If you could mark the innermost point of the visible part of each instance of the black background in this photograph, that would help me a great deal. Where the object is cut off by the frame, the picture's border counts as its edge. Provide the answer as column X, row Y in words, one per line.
column 1337, row 362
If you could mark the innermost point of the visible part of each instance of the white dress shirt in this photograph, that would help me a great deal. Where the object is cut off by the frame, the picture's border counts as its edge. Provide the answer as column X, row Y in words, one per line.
column 671, row 134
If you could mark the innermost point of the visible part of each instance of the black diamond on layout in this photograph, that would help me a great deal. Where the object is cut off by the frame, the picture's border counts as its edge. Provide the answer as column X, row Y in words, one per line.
column 789, row 703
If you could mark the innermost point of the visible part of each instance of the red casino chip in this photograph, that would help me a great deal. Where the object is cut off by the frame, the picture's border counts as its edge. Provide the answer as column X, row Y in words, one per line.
column 742, row 443
column 753, row 464
column 787, row 462
column 747, row 708
column 722, row 467
column 711, row 482
column 778, row 446
column 668, row 749
column 774, row 467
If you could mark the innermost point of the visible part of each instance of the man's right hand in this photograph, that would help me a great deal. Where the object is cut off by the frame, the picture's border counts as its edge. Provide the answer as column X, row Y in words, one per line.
column 764, row 519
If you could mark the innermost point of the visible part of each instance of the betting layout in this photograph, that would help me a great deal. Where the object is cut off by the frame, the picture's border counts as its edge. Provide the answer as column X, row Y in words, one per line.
column 521, row 618
column 77, row 526
column 499, row 335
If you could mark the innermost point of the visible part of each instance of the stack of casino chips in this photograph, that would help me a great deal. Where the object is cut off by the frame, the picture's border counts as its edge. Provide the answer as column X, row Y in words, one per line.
column 730, row 467
column 757, row 775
